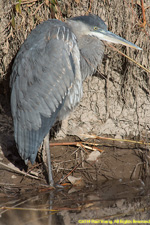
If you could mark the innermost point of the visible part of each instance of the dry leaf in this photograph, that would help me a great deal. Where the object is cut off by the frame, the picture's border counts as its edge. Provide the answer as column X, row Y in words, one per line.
column 93, row 156
column 76, row 181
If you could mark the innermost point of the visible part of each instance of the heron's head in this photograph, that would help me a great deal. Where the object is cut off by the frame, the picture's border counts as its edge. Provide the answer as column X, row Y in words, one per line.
column 93, row 25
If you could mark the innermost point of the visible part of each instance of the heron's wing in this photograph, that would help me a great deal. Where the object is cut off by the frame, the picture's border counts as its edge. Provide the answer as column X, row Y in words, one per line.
column 44, row 71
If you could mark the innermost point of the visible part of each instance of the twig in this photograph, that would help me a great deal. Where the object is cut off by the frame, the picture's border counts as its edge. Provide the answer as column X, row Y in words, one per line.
column 28, row 209
column 20, row 172
column 5, row 208
column 144, row 68
column 143, row 12
column 65, row 143
column 78, row 144
column 70, row 172
column 115, row 139
column 23, row 2
column 37, row 8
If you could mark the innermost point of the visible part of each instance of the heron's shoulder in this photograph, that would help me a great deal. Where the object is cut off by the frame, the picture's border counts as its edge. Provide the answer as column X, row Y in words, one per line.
column 49, row 25
column 51, row 29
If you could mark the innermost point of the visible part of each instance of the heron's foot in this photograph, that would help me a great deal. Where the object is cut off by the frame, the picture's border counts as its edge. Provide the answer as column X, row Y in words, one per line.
column 51, row 184
column 55, row 186
column 59, row 186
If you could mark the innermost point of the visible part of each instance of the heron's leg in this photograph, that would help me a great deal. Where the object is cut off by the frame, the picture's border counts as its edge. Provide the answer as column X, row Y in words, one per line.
column 47, row 148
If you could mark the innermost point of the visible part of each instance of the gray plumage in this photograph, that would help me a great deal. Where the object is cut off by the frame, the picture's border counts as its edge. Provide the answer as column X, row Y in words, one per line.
column 48, row 72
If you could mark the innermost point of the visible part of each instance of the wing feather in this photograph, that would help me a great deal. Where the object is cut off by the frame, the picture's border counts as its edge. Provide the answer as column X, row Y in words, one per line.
column 43, row 75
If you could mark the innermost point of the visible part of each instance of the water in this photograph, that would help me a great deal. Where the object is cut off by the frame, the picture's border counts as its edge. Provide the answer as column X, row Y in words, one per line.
column 112, row 202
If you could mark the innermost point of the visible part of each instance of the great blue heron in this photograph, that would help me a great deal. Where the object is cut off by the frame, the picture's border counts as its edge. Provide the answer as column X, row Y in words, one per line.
column 47, row 77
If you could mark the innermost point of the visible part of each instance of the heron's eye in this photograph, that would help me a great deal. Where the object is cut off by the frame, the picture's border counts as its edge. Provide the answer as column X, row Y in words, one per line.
column 95, row 28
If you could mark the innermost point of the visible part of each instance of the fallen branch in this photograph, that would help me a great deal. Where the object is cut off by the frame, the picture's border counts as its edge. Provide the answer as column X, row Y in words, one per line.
column 20, row 172
column 78, row 144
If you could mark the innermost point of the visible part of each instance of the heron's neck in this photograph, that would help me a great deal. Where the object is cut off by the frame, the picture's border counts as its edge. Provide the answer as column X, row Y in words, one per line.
column 91, row 54
column 91, row 50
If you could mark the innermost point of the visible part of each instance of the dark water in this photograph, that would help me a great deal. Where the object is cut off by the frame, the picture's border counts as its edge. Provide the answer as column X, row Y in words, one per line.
column 112, row 202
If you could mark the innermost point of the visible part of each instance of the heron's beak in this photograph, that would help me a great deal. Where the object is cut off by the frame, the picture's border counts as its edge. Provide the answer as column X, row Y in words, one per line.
column 111, row 37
